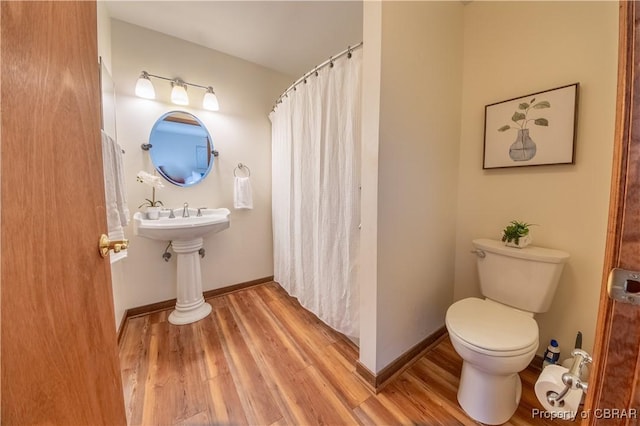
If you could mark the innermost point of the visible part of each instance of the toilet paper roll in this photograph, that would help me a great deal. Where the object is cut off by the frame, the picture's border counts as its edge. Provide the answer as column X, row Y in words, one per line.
column 550, row 380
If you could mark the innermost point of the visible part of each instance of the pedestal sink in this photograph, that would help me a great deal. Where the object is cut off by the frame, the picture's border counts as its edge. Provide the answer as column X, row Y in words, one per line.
column 186, row 235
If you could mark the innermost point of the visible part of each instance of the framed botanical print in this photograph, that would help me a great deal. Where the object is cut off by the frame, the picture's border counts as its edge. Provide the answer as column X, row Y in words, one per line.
column 532, row 130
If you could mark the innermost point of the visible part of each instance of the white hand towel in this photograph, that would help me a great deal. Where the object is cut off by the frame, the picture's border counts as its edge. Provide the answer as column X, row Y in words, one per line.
column 116, row 210
column 242, row 196
column 108, row 164
column 121, row 188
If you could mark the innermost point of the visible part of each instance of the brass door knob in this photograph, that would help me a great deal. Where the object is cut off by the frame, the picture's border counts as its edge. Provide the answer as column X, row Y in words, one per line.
column 105, row 245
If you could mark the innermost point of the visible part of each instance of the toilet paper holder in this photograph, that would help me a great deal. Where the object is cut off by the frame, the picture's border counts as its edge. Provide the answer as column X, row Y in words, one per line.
column 571, row 378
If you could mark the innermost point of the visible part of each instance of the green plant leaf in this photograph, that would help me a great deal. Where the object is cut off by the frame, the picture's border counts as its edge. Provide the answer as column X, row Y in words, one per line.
column 515, row 230
column 523, row 105
column 517, row 116
column 541, row 121
column 542, row 104
column 504, row 128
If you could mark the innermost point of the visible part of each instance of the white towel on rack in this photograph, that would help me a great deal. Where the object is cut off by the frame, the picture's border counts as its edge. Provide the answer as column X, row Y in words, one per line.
column 115, row 192
column 121, row 187
column 242, row 196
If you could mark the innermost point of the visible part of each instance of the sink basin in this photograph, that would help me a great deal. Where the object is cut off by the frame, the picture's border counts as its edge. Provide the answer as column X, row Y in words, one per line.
column 181, row 228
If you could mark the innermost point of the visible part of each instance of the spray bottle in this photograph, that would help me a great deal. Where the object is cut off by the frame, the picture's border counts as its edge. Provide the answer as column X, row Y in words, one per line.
column 552, row 354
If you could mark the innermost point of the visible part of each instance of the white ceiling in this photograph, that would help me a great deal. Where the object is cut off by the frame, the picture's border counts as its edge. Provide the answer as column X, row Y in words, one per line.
column 288, row 36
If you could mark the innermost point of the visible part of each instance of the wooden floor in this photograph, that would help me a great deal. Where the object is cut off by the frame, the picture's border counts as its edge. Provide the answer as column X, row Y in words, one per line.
column 262, row 359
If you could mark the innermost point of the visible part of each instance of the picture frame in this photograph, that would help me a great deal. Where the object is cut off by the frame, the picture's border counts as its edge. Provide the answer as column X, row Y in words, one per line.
column 532, row 130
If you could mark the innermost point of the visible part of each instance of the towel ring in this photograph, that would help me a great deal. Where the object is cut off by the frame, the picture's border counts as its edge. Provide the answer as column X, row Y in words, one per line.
column 241, row 166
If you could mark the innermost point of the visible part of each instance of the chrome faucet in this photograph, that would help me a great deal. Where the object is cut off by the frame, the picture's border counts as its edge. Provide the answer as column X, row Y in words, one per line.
column 185, row 210
column 200, row 211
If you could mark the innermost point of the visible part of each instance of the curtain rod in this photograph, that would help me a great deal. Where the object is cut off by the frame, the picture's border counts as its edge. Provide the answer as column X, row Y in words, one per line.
column 329, row 61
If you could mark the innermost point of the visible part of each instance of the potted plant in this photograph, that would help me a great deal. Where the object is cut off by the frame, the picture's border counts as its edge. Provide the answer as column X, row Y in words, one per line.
column 516, row 234
column 153, row 205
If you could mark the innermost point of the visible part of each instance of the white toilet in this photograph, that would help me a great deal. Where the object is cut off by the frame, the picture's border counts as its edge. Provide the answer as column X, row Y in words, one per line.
column 497, row 337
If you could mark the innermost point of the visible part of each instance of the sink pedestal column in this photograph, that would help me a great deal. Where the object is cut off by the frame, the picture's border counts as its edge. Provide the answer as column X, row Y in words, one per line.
column 190, row 306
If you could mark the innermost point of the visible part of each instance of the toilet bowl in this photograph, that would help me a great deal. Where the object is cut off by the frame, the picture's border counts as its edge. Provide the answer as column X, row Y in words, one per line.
column 495, row 343
column 497, row 337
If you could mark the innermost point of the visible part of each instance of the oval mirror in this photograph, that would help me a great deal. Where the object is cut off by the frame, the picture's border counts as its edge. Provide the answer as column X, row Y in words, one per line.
column 181, row 148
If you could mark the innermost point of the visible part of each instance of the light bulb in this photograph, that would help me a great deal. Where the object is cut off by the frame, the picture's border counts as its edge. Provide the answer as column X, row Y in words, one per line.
column 144, row 87
column 179, row 93
column 210, row 100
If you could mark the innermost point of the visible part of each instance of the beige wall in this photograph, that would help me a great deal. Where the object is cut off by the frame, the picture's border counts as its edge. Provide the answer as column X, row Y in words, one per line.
column 104, row 33
column 241, row 132
column 512, row 49
column 410, row 243
column 368, row 266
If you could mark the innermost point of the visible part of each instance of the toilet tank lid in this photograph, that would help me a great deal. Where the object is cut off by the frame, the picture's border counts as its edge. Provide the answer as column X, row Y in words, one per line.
column 540, row 254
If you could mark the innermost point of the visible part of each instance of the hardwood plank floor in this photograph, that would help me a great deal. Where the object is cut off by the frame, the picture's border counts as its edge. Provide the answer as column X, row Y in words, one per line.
column 262, row 359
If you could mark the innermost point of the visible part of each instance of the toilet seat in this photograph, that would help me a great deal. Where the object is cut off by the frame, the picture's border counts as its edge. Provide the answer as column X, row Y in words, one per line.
column 491, row 328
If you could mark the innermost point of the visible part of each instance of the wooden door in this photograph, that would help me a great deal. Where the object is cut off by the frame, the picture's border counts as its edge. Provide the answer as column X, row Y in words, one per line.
column 59, row 360
column 614, row 390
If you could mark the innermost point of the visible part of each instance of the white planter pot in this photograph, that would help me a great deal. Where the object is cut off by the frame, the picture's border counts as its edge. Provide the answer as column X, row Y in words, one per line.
column 522, row 242
column 153, row 213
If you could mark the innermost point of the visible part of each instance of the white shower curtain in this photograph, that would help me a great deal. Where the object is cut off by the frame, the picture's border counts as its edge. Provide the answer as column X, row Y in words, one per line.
column 316, row 196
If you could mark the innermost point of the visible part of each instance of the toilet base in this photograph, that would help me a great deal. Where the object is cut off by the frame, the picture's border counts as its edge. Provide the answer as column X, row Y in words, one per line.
column 488, row 398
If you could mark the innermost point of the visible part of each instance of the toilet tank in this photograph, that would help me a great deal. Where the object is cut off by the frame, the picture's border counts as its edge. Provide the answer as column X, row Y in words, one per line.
column 524, row 278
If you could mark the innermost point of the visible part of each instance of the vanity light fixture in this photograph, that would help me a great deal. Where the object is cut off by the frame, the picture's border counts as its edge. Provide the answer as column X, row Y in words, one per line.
column 179, row 93
column 210, row 100
column 144, row 89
